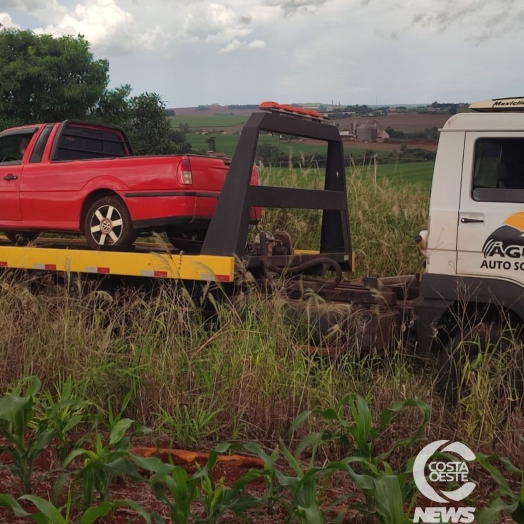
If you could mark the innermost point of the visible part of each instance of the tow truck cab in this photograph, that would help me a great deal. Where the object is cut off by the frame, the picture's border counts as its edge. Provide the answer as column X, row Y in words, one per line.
column 475, row 241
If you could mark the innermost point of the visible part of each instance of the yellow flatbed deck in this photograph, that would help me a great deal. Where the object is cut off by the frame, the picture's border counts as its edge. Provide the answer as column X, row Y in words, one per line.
column 144, row 260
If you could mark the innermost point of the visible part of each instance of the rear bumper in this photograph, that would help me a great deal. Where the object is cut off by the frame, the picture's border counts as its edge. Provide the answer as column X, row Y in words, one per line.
column 151, row 210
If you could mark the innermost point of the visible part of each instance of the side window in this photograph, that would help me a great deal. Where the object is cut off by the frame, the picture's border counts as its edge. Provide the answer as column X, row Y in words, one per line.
column 83, row 143
column 38, row 150
column 499, row 170
column 13, row 147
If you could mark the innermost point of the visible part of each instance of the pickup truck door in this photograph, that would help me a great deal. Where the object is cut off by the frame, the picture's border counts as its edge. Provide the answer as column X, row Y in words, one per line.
column 11, row 172
column 490, row 239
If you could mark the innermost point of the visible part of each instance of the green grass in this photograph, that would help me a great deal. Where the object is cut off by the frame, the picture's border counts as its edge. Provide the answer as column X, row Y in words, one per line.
column 417, row 175
column 227, row 144
column 215, row 121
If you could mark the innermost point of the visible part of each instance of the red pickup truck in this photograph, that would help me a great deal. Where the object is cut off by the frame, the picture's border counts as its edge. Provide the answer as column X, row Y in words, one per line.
column 78, row 177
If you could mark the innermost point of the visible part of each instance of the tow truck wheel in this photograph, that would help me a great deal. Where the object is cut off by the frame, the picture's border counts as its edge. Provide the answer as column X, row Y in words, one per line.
column 482, row 357
column 21, row 238
column 108, row 223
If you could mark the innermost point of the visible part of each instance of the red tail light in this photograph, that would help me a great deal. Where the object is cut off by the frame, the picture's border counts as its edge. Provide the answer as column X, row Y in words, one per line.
column 184, row 173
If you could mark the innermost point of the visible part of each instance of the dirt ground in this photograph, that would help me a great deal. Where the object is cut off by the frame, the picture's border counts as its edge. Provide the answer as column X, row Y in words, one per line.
column 45, row 475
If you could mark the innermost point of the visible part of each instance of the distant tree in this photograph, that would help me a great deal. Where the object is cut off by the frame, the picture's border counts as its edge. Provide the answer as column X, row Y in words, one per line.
column 270, row 154
column 212, row 143
column 184, row 127
column 452, row 111
column 179, row 141
column 45, row 79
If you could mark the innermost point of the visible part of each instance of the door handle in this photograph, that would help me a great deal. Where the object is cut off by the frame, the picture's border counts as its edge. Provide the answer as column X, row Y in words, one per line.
column 470, row 220
column 10, row 177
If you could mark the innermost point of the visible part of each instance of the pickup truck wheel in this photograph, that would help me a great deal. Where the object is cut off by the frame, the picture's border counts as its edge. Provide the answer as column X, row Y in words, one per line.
column 21, row 238
column 483, row 360
column 108, row 223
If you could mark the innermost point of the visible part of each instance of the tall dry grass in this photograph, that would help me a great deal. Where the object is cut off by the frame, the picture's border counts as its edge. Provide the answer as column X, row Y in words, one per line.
column 244, row 374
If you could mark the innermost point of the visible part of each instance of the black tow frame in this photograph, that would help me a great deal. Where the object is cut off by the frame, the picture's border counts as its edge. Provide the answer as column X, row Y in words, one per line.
column 228, row 230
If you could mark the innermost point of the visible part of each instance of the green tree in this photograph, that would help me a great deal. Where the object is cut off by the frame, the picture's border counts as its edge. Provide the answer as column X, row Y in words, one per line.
column 46, row 78
column 212, row 143
column 147, row 127
column 113, row 106
column 270, row 154
column 179, row 141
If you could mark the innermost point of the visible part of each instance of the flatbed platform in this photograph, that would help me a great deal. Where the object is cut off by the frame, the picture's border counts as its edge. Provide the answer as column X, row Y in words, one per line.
column 141, row 260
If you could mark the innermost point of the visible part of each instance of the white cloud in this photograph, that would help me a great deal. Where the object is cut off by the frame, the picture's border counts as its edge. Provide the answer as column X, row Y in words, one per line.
column 21, row 5
column 214, row 23
column 235, row 45
column 256, row 44
column 5, row 21
column 480, row 20
column 292, row 6
column 109, row 28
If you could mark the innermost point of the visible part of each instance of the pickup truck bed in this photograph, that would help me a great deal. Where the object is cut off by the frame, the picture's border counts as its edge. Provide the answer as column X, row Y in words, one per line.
column 77, row 177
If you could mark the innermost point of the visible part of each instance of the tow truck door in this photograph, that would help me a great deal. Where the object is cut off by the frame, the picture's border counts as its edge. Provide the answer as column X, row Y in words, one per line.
column 490, row 239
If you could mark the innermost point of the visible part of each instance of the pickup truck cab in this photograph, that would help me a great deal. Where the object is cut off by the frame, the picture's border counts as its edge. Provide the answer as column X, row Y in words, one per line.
column 82, row 178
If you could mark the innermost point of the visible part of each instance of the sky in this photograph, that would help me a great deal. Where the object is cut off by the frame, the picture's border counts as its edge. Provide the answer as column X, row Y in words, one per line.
column 196, row 52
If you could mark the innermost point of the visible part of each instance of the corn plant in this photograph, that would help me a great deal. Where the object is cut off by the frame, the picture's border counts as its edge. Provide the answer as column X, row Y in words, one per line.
column 178, row 491
column 26, row 440
column 104, row 463
column 368, row 470
column 504, row 499
column 218, row 499
column 64, row 414
column 50, row 514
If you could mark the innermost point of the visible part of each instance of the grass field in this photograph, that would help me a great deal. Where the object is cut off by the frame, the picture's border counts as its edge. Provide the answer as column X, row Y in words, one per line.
column 215, row 121
column 416, row 174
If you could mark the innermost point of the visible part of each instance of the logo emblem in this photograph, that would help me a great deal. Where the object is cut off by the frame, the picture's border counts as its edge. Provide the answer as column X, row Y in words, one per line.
column 507, row 240
column 455, row 471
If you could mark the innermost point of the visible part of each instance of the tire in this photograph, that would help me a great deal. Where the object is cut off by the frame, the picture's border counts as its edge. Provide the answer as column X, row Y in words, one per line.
column 483, row 349
column 21, row 238
column 108, row 223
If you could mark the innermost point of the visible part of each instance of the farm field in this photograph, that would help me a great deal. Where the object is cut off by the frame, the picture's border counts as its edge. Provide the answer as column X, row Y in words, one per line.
column 409, row 122
column 208, row 121
column 226, row 143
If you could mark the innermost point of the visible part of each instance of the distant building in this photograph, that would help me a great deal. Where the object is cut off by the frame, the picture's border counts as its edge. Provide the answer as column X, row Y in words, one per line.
column 368, row 132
